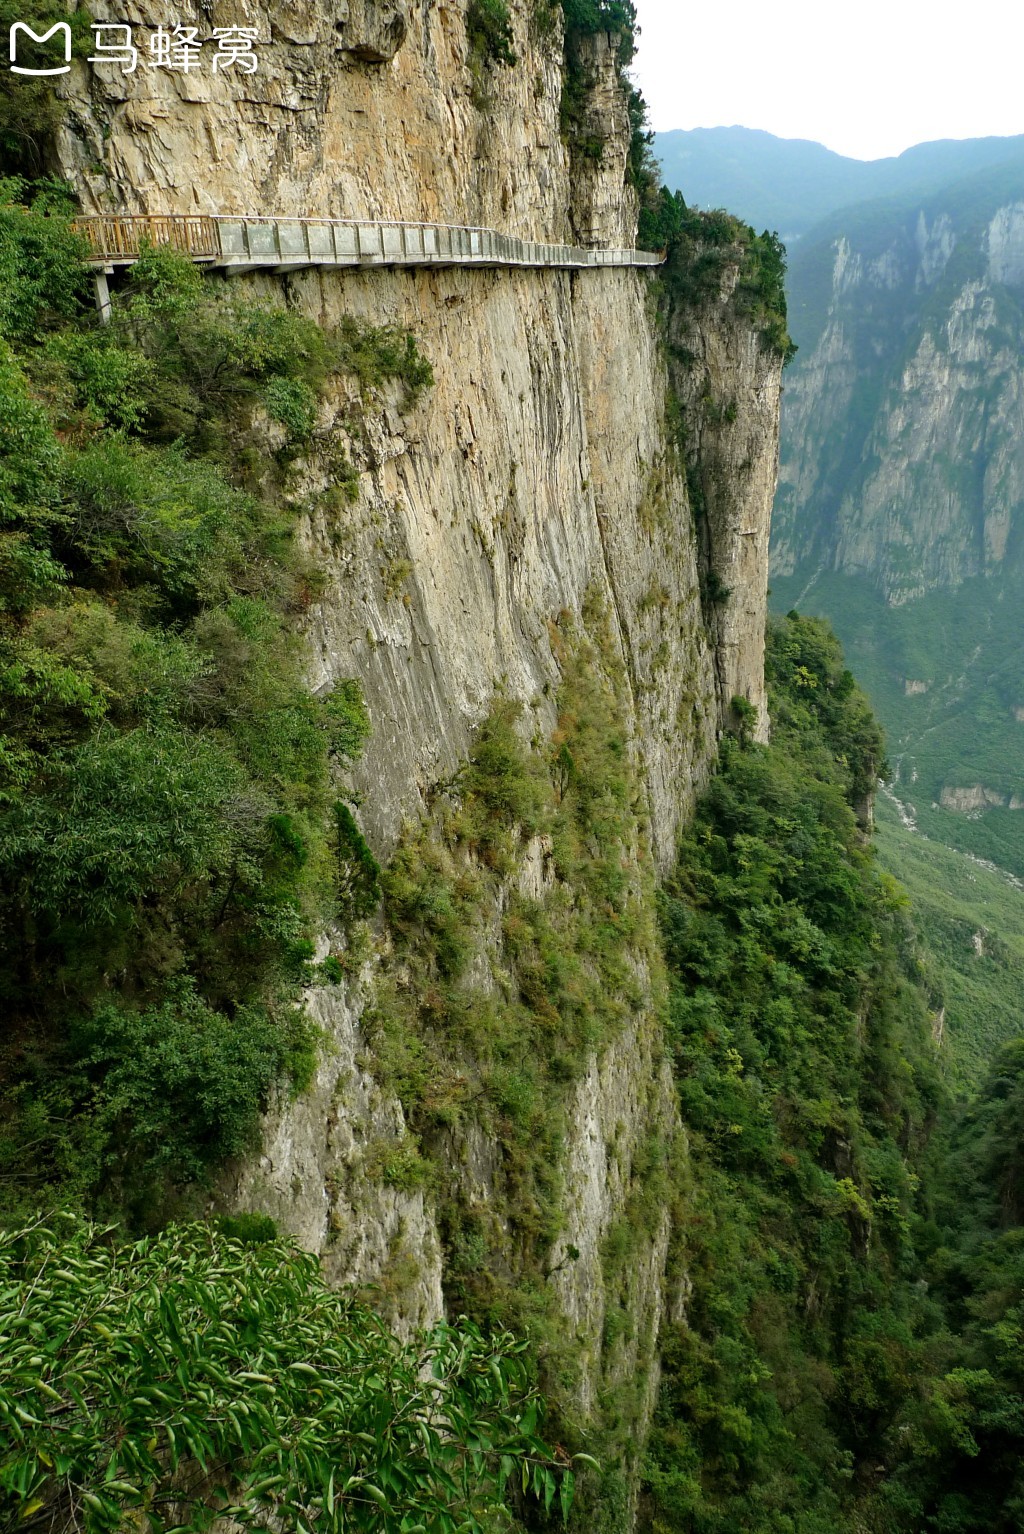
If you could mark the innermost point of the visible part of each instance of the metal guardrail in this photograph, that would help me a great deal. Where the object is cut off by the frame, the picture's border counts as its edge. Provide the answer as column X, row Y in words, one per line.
column 245, row 243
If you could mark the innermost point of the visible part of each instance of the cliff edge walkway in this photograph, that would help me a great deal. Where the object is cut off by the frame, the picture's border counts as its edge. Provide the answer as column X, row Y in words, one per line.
column 236, row 244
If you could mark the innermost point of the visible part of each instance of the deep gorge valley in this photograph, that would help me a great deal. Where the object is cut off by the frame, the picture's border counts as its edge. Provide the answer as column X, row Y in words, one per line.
column 469, row 1062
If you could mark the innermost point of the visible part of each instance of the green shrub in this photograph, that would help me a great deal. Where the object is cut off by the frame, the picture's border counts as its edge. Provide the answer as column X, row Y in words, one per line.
column 489, row 32
column 358, row 881
column 249, row 1229
column 378, row 354
column 30, row 110
column 42, row 277
column 292, row 402
column 180, row 1087
column 349, row 721
column 108, row 380
column 125, row 815
column 599, row 15
column 167, row 839
column 30, row 454
column 199, row 1377
column 746, row 716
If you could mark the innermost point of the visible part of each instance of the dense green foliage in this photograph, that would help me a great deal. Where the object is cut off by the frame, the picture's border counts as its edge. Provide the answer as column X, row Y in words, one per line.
column 807, row 1083
column 170, row 832
column 851, row 1357
column 956, row 1453
column 193, row 1376
column 585, row 17
column 30, row 109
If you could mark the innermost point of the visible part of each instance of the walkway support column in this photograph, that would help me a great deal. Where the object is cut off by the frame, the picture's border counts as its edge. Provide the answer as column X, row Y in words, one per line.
column 102, row 297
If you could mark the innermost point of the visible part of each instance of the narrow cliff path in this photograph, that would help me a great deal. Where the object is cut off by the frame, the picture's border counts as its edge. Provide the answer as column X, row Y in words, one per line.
column 239, row 243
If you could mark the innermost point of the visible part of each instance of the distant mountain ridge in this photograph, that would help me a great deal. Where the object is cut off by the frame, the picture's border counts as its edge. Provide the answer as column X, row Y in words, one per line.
column 792, row 184
column 900, row 506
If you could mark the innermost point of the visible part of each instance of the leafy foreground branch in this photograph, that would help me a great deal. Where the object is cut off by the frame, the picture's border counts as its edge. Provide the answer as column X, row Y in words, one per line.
column 192, row 1377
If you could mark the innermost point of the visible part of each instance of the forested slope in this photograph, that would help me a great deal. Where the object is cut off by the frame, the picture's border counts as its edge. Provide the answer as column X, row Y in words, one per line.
column 849, row 1355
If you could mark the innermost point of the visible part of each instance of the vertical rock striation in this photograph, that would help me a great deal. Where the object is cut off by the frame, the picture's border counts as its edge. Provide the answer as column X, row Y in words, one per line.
column 540, row 473
column 904, row 416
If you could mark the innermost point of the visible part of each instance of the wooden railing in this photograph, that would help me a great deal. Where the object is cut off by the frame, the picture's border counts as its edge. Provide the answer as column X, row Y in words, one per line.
column 243, row 243
column 121, row 237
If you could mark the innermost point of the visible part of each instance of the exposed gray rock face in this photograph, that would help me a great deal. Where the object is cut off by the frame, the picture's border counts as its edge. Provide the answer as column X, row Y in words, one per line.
column 537, row 469
column 976, row 797
column 372, row 31
column 613, row 1101
column 362, row 109
column 935, row 245
column 904, row 415
column 730, row 394
column 318, row 1173
column 540, row 469
column 1006, row 246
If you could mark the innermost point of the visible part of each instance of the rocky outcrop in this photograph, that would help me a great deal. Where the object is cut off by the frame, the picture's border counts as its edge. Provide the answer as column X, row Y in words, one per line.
column 728, row 383
column 602, row 201
column 973, row 798
column 371, row 32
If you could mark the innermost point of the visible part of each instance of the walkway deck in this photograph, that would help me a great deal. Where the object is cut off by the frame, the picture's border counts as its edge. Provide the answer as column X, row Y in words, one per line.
column 237, row 244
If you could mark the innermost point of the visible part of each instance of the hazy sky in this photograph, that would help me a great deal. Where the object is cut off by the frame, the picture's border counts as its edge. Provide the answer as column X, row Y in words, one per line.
column 867, row 79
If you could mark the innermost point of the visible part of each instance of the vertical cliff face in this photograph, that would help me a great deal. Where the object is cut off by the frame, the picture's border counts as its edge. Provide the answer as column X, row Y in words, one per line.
column 903, row 423
column 537, row 469
column 523, row 532
column 357, row 110
column 729, row 388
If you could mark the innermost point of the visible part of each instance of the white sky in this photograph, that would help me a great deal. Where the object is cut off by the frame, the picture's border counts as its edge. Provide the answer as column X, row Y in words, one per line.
column 866, row 79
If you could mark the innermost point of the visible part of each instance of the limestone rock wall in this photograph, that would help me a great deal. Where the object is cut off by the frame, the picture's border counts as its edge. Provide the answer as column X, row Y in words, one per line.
column 541, row 467
column 357, row 109
column 729, row 386
column 319, row 1172
column 536, row 469
column 904, row 421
